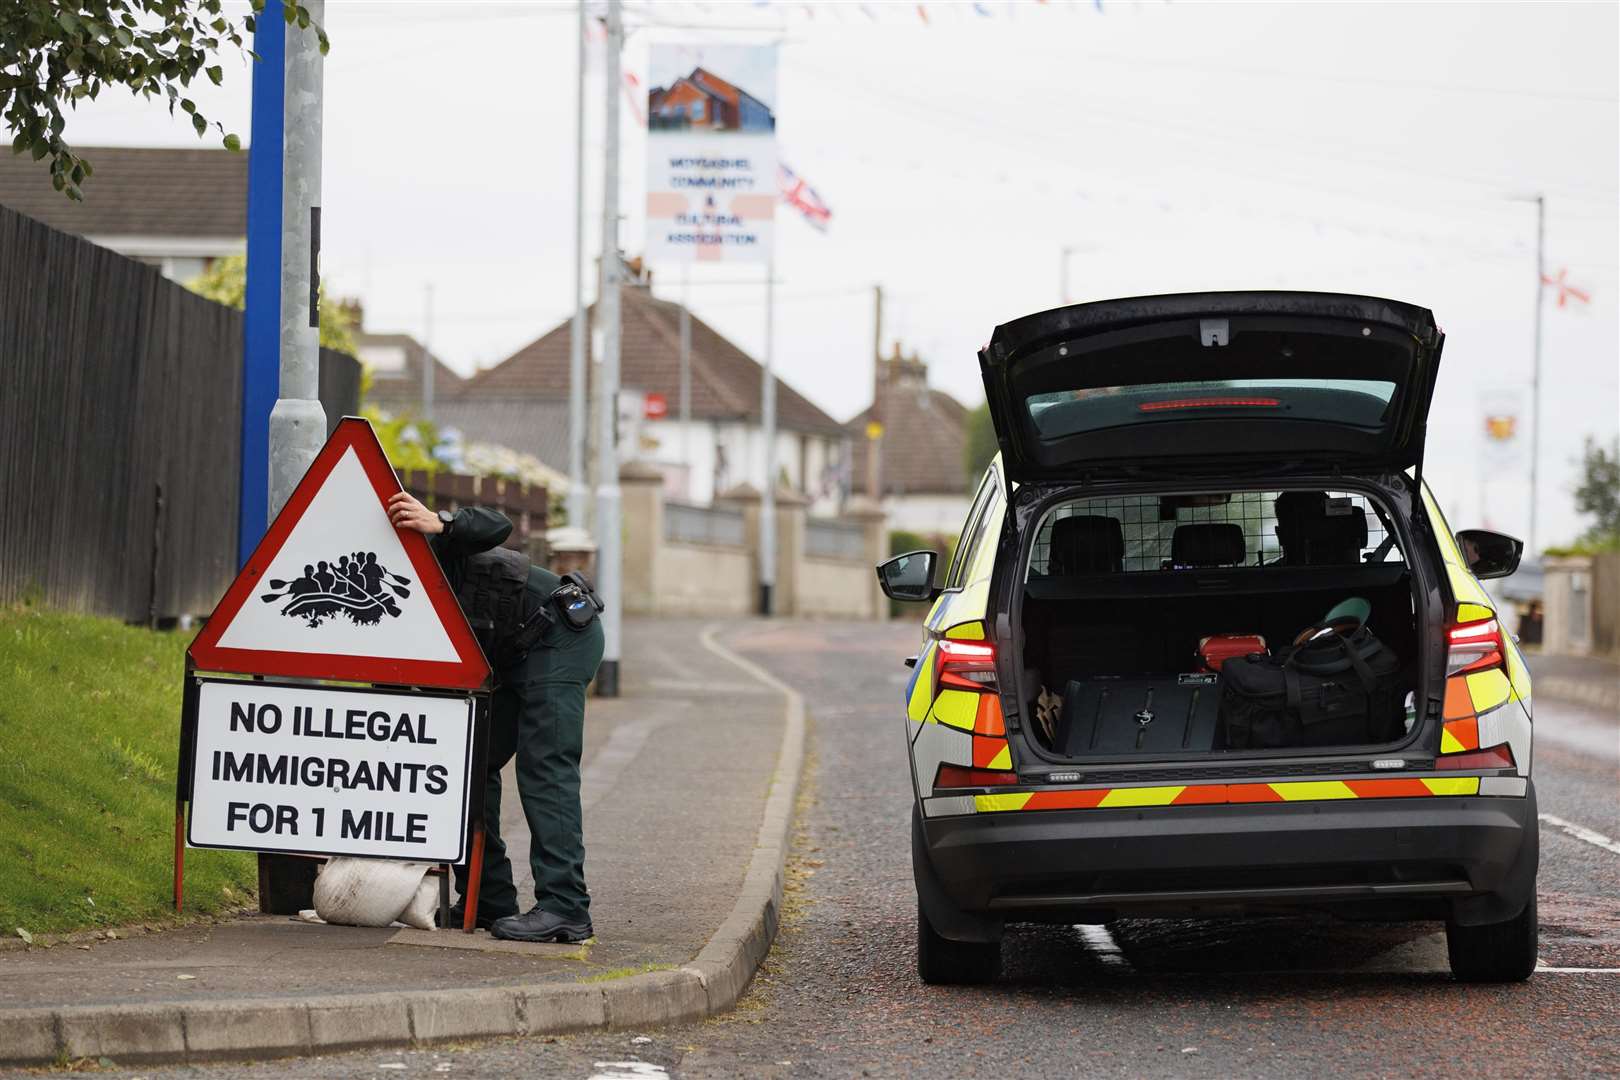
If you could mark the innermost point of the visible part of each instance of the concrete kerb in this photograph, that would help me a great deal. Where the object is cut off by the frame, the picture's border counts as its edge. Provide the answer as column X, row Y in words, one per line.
column 278, row 1027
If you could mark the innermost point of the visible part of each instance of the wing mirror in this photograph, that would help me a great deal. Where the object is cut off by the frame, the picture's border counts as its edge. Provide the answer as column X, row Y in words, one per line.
column 909, row 576
column 1490, row 554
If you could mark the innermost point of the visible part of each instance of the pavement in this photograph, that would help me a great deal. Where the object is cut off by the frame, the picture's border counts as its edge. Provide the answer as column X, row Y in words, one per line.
column 1281, row 997
column 688, row 783
column 1588, row 680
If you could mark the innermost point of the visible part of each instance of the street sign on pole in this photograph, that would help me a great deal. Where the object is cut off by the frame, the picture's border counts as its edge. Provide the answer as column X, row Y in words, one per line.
column 334, row 591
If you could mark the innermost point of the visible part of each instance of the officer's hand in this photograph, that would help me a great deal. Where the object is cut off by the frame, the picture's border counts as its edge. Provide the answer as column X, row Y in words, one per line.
column 406, row 513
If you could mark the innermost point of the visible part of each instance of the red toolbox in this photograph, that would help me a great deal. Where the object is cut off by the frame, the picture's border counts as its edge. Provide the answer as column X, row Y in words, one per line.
column 1216, row 649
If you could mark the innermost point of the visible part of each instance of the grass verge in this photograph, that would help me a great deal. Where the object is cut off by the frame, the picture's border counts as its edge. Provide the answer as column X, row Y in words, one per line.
column 90, row 717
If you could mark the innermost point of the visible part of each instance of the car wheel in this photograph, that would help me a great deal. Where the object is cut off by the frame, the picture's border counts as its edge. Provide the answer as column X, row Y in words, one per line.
column 943, row 962
column 1494, row 952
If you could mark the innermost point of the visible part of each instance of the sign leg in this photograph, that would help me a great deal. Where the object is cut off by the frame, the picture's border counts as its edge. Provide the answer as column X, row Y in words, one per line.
column 179, row 852
column 444, row 896
column 475, row 871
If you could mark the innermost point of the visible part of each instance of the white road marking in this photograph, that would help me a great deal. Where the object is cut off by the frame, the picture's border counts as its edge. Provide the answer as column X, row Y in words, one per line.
column 1581, row 832
column 1542, row 969
column 1102, row 943
column 626, row 1070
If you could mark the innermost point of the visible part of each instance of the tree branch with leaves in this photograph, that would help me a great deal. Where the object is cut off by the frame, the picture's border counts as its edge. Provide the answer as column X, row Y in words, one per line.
column 56, row 53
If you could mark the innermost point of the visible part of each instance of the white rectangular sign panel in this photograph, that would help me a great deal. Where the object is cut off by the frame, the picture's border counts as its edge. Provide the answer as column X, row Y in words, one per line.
column 711, row 153
column 331, row 771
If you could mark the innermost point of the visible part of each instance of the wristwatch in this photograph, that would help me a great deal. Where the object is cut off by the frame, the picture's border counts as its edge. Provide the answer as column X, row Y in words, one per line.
column 448, row 520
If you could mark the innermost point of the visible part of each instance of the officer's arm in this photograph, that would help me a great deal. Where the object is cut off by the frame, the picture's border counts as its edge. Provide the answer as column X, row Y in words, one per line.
column 475, row 529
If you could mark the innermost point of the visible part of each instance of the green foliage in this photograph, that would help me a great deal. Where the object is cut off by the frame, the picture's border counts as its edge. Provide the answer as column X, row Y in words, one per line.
column 409, row 442
column 981, row 447
column 91, row 717
column 55, row 53
column 1599, row 492
column 225, row 282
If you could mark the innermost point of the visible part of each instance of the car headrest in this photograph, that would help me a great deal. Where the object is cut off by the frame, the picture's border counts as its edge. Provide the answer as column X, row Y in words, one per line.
column 1334, row 540
column 1086, row 545
column 1207, row 544
column 1296, row 507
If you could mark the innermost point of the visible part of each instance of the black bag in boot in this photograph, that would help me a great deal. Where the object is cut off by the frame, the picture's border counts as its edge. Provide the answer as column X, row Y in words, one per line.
column 1338, row 687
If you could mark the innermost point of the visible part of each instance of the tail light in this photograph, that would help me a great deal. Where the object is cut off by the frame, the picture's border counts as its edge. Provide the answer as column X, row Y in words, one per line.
column 1495, row 757
column 960, row 776
column 966, row 665
column 1473, row 646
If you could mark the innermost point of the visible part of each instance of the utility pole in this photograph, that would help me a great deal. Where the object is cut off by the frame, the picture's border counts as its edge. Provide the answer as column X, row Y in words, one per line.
column 427, row 352
column 577, row 491
column 767, row 495
column 1535, row 368
column 608, row 541
column 686, row 375
column 874, row 446
column 297, row 422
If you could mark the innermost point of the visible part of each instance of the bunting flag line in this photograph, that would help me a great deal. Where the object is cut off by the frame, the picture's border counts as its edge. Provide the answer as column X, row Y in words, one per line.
column 803, row 198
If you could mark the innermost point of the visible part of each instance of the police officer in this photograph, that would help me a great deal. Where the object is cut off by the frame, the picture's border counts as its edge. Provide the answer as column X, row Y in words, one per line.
column 537, row 715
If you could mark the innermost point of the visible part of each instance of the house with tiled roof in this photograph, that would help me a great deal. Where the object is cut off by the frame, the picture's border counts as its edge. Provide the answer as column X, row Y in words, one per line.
column 721, row 446
column 705, row 101
column 914, row 464
column 176, row 209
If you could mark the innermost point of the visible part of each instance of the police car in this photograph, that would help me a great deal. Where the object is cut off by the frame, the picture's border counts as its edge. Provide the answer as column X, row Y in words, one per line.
column 1207, row 646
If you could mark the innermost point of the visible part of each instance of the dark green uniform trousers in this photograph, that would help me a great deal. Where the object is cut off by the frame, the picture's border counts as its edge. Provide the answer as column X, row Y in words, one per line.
column 538, row 716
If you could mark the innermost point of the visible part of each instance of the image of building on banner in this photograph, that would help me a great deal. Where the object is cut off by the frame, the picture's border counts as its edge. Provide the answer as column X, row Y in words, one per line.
column 711, row 153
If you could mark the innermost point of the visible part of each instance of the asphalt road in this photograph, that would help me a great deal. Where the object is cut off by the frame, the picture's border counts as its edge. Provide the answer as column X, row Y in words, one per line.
column 1276, row 997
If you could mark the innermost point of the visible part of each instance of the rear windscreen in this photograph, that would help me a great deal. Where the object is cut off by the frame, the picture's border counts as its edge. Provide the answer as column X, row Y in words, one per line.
column 1136, row 533
column 1360, row 403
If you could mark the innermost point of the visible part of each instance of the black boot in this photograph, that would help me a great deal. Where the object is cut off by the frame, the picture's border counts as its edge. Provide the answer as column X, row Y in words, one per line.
column 538, row 925
column 458, row 916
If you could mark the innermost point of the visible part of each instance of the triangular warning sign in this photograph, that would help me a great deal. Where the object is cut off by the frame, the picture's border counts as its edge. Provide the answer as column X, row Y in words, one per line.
column 334, row 591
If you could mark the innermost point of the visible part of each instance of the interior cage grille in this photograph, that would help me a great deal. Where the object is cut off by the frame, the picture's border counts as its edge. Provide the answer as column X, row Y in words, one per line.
column 1149, row 522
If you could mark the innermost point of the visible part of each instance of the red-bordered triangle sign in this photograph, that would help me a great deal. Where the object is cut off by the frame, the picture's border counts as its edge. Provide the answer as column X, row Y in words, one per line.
column 334, row 591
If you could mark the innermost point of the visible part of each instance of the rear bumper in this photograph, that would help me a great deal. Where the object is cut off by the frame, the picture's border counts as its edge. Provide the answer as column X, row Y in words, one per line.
column 1468, row 858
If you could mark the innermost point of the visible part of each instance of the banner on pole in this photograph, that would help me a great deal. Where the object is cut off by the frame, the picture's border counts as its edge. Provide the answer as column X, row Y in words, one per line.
column 711, row 153
column 1503, row 427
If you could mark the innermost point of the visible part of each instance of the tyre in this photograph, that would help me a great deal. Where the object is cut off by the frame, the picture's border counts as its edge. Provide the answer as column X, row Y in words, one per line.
column 1494, row 952
column 943, row 962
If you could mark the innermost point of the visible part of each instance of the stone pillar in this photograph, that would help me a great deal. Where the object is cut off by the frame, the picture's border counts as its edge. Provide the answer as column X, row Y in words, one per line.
column 875, row 526
column 791, row 511
column 642, row 502
column 745, row 497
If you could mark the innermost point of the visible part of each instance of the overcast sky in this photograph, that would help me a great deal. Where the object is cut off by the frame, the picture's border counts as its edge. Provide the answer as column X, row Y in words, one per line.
column 1374, row 148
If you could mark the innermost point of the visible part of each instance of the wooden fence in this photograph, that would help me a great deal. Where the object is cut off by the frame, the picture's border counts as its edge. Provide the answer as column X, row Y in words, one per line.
column 525, row 505
column 120, row 430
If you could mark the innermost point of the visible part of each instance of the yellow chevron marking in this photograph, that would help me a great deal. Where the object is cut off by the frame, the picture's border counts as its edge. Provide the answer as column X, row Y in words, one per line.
column 990, row 803
column 1452, row 785
column 1002, row 760
column 956, row 708
column 1465, row 588
column 1312, row 790
column 922, row 692
column 1518, row 674
column 1449, row 743
column 1488, row 689
column 967, row 631
column 1142, row 796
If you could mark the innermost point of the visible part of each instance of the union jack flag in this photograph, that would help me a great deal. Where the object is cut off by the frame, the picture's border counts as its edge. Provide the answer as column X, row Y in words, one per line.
column 802, row 197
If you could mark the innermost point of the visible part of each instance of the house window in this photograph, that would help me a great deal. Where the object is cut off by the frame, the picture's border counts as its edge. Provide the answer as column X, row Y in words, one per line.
column 697, row 110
